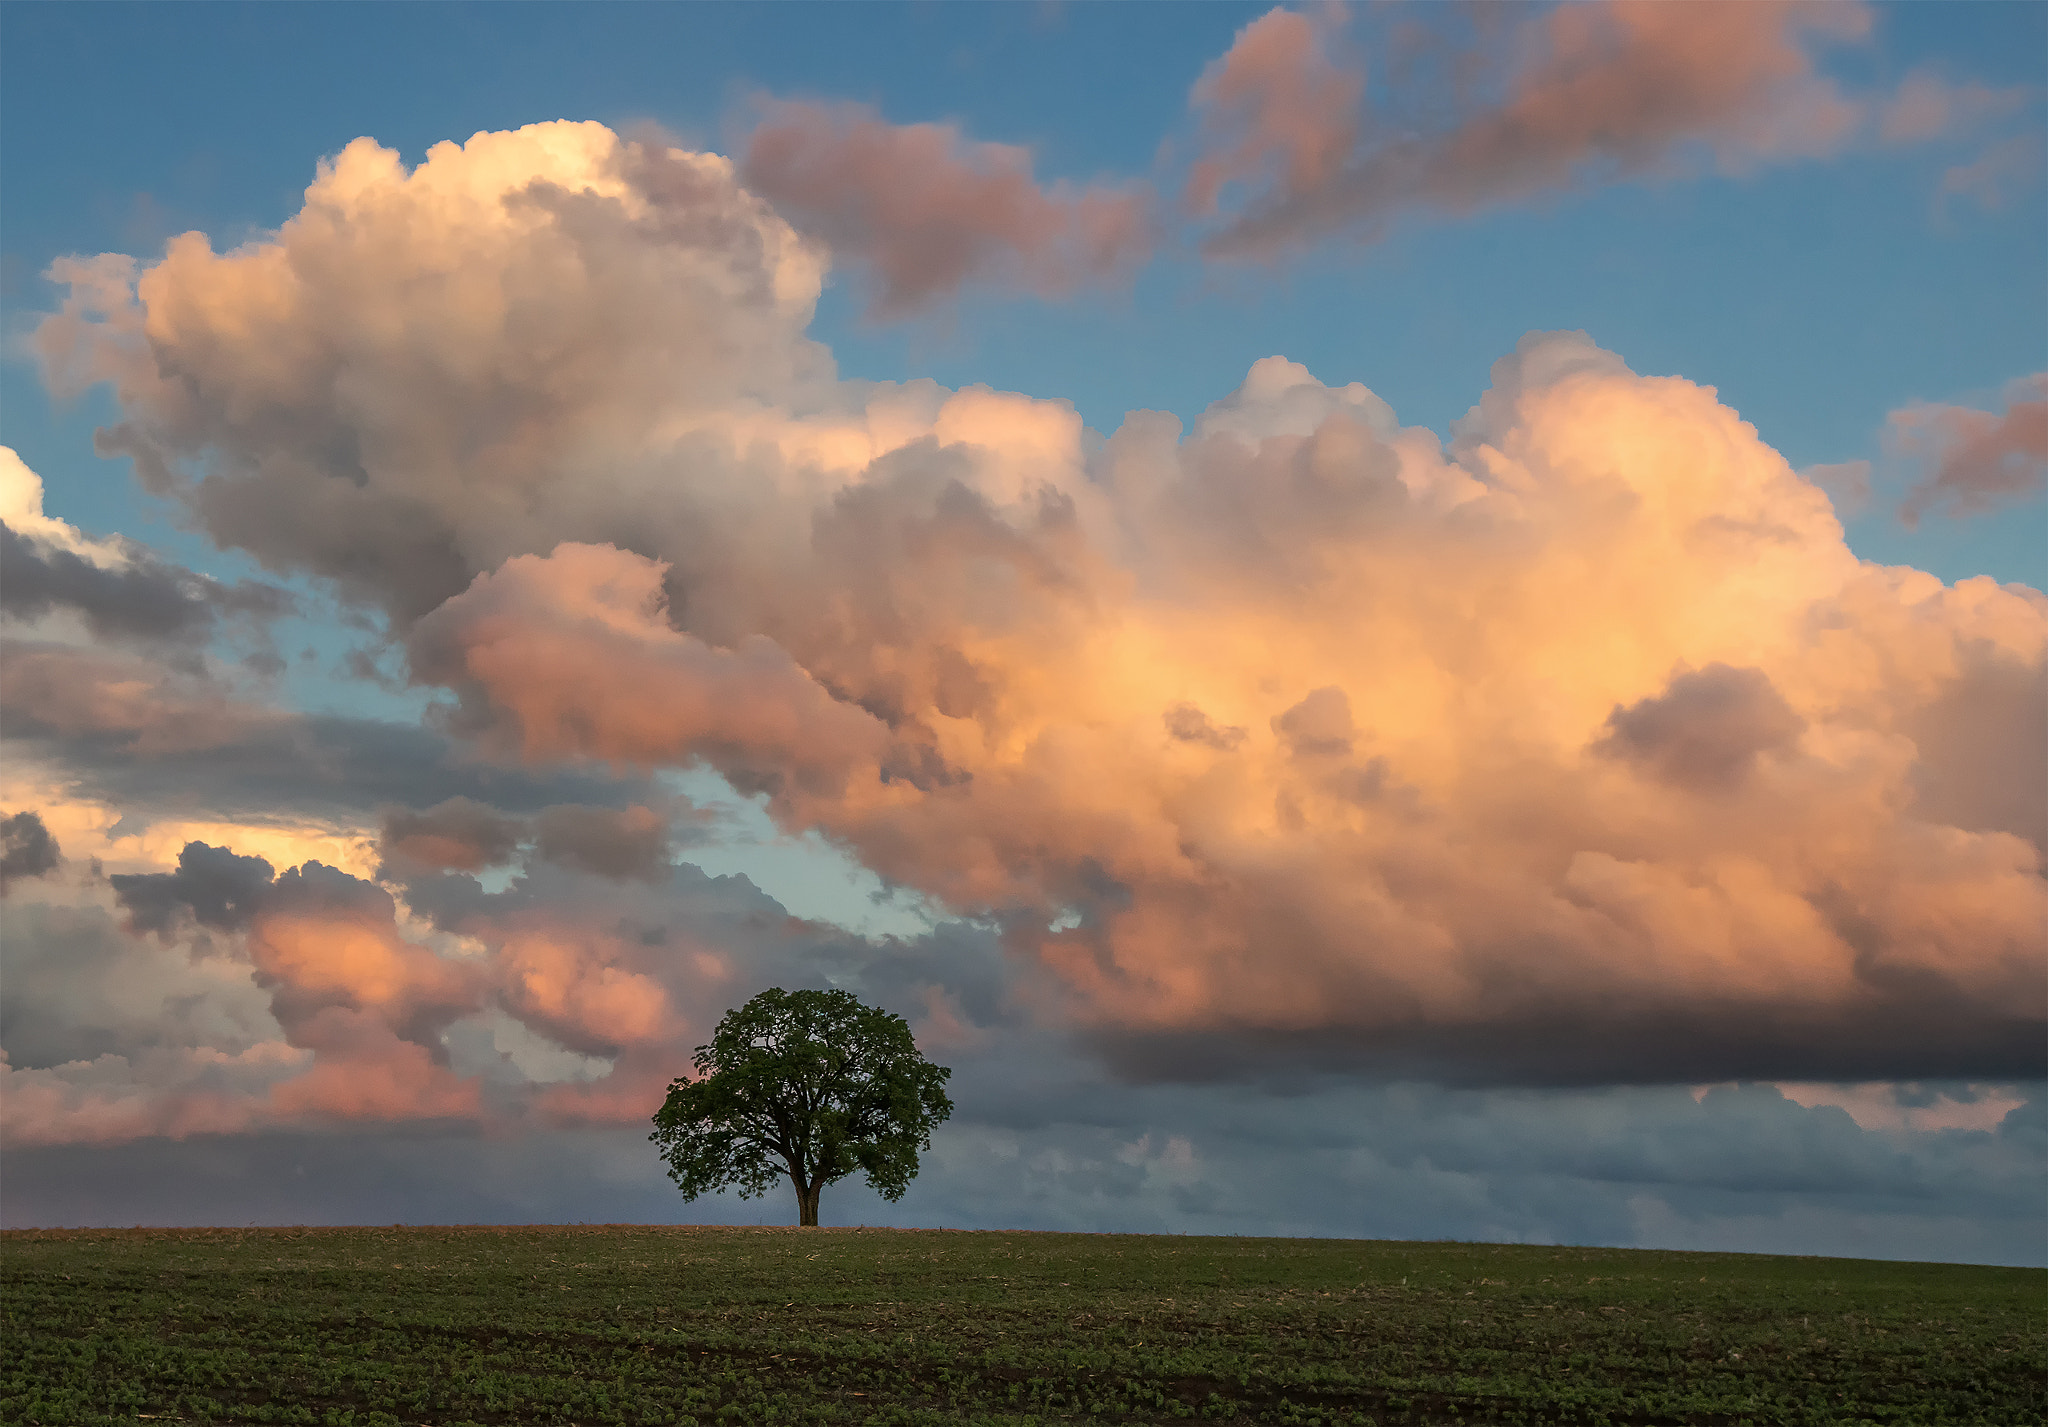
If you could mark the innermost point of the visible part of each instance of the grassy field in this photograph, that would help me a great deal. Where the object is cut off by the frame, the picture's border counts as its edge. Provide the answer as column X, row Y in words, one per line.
column 351, row 1327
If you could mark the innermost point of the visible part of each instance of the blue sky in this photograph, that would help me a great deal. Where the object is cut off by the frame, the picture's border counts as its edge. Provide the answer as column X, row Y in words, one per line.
column 1554, row 745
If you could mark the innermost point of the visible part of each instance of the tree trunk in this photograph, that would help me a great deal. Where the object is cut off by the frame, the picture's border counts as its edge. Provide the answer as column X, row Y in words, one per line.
column 807, row 1205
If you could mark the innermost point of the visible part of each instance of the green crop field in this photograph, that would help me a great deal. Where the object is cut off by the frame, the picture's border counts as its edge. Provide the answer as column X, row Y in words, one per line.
column 629, row 1325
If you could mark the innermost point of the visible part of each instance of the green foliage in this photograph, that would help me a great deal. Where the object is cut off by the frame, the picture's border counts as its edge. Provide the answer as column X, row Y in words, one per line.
column 627, row 1325
column 808, row 1084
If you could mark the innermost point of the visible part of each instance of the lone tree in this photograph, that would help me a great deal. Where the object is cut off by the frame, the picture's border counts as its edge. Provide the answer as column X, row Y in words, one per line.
column 811, row 1084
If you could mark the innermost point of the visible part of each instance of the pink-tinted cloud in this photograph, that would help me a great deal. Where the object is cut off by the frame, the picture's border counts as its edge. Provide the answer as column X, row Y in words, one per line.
column 113, row 1098
column 364, row 1071
column 1974, row 460
column 929, row 210
column 639, row 1078
column 1566, row 97
column 362, row 1009
column 585, row 989
column 354, row 959
column 356, row 1006
column 624, row 842
column 361, row 1072
column 1277, row 100
column 1883, row 1106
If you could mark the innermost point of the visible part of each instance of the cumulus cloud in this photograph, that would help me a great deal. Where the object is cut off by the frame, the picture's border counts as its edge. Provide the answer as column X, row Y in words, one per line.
column 145, row 599
column 232, row 1000
column 1972, row 772
column 220, row 996
column 361, row 1005
column 1553, row 100
column 1846, row 482
column 1338, row 843
column 1974, row 461
column 928, row 210
column 544, row 300
column 320, row 937
column 632, row 976
column 1579, row 747
column 136, row 1022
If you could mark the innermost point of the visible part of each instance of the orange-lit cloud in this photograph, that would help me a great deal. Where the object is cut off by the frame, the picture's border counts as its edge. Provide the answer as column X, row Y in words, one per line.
column 928, row 210
column 338, row 1003
column 581, row 989
column 541, row 631
column 1592, row 716
column 1579, row 746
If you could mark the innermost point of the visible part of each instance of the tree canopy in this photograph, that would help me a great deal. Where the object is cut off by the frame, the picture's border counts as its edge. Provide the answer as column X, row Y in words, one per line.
column 808, row 1084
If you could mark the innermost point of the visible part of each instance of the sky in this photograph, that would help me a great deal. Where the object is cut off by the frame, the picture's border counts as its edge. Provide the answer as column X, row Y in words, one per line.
column 1403, row 621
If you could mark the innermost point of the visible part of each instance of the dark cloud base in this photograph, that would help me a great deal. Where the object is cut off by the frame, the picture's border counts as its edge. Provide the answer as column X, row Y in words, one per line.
column 1742, row 1170
column 318, row 765
column 1934, row 1037
column 150, row 601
